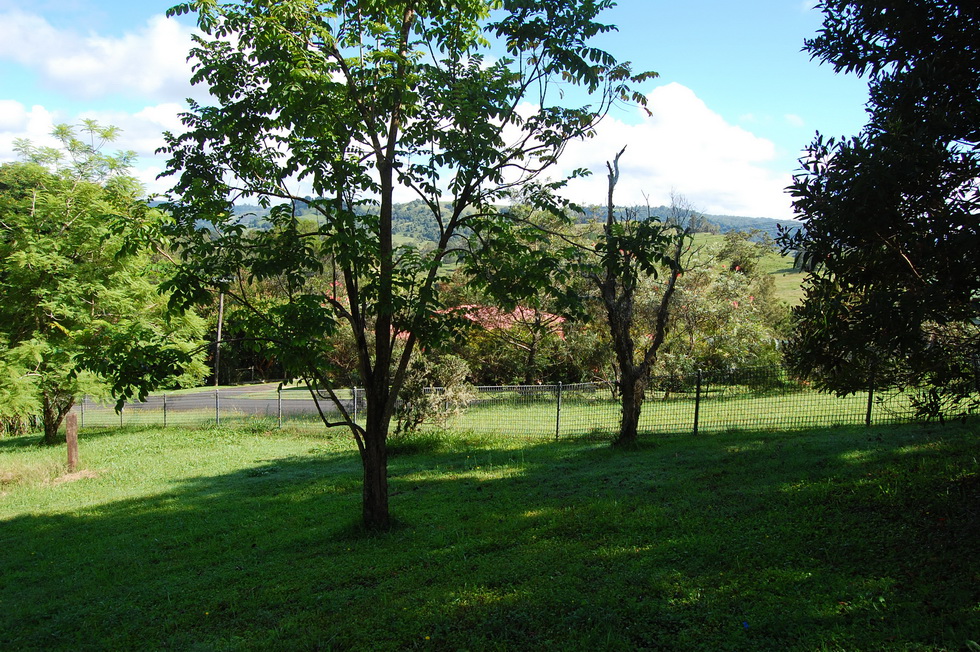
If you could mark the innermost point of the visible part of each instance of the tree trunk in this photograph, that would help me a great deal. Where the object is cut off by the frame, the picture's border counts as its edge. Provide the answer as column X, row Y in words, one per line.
column 531, row 361
column 633, row 387
column 374, row 459
column 55, row 405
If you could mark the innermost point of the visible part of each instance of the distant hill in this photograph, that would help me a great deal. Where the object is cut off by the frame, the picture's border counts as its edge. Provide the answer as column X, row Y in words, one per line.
column 738, row 223
column 703, row 223
column 410, row 220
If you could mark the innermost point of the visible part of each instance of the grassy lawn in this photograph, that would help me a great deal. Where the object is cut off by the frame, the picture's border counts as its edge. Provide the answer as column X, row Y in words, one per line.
column 218, row 539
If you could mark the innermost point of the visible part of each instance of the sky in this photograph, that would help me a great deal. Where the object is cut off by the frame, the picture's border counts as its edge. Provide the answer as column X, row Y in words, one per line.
column 735, row 104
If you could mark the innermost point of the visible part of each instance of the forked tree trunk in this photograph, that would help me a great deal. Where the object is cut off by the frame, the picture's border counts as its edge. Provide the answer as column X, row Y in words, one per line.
column 618, row 290
column 55, row 406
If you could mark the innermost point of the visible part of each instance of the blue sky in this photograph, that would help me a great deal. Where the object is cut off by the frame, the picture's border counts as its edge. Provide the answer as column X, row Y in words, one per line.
column 735, row 104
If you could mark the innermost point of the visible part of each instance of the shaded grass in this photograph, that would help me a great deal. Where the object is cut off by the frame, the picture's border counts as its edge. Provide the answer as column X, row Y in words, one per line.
column 838, row 539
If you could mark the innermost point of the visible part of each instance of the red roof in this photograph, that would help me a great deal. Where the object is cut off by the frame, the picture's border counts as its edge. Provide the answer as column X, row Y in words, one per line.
column 491, row 317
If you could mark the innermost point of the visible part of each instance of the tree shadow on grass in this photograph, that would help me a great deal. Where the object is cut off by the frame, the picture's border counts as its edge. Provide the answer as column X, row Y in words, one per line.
column 741, row 541
column 19, row 442
column 36, row 439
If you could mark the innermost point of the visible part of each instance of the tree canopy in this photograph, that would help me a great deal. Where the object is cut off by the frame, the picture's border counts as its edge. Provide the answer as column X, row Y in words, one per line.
column 340, row 104
column 892, row 215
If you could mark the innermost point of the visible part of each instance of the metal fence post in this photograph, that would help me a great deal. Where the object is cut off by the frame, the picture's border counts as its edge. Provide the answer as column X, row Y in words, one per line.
column 976, row 373
column 871, row 397
column 164, row 410
column 81, row 420
column 279, row 405
column 558, row 413
column 123, row 407
column 697, row 401
column 217, row 415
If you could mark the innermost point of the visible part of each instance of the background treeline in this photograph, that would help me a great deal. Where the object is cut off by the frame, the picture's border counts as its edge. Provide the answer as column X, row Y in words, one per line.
column 731, row 310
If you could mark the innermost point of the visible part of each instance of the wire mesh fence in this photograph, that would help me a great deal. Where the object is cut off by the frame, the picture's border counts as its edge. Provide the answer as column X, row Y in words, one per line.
column 699, row 403
column 278, row 407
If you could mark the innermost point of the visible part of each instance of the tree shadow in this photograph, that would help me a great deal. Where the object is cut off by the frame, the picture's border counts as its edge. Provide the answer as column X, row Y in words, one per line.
column 735, row 541
column 36, row 439
column 33, row 440
column 788, row 270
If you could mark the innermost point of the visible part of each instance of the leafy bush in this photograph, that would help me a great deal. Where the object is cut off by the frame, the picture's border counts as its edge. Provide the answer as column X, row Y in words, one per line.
column 435, row 390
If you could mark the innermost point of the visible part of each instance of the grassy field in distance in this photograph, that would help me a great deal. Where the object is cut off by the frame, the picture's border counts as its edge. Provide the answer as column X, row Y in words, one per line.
column 788, row 280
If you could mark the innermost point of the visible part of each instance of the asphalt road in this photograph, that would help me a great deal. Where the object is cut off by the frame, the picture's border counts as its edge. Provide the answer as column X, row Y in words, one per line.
column 240, row 400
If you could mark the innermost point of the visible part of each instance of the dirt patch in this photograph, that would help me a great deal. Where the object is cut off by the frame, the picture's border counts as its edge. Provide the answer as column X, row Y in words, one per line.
column 72, row 477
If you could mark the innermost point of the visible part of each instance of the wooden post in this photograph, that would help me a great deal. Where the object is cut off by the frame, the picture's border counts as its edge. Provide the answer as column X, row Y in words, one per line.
column 71, row 426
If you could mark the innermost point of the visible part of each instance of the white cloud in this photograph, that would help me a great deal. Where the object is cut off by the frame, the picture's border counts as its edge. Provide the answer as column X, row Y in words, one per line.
column 141, row 132
column 794, row 120
column 149, row 62
column 684, row 147
column 13, row 116
column 18, row 121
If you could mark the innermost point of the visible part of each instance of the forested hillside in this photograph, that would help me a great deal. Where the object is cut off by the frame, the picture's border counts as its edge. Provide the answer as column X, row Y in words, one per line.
column 413, row 219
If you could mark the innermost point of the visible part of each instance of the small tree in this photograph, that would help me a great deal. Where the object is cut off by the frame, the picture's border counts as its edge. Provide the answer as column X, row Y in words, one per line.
column 78, row 284
column 721, row 320
column 627, row 251
column 744, row 250
column 356, row 99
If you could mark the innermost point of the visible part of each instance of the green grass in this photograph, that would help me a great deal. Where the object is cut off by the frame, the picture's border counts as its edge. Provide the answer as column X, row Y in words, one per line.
column 788, row 280
column 215, row 539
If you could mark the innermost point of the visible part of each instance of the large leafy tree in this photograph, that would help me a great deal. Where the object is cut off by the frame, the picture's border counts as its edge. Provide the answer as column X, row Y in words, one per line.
column 892, row 215
column 355, row 100
column 79, row 307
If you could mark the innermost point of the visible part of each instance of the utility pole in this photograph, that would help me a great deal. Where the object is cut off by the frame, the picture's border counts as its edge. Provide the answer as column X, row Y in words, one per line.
column 217, row 343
